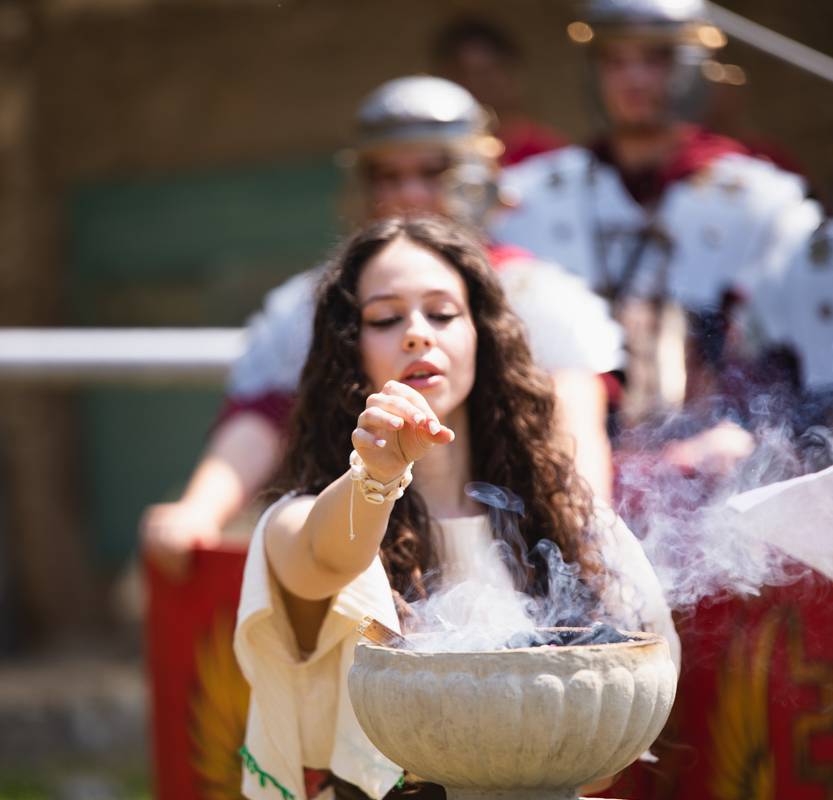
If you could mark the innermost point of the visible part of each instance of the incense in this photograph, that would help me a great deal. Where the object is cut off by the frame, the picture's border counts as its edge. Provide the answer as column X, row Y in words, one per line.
column 381, row 634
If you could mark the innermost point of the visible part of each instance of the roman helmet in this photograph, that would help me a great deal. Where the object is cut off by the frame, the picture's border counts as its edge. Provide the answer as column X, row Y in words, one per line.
column 682, row 24
column 426, row 110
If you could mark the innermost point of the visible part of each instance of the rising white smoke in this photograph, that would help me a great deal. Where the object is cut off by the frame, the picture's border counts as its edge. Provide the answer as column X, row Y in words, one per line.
column 692, row 530
column 486, row 612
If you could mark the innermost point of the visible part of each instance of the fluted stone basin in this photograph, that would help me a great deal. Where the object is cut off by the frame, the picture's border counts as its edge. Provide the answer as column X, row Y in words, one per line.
column 532, row 722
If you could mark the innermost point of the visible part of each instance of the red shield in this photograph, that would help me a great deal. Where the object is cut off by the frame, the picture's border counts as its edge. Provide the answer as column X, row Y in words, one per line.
column 199, row 698
column 754, row 713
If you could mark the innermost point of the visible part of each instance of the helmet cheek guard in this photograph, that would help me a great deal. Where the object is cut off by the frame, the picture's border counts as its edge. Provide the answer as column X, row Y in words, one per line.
column 471, row 190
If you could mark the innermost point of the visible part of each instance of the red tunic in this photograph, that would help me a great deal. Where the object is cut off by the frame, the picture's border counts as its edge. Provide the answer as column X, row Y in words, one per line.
column 696, row 150
column 522, row 138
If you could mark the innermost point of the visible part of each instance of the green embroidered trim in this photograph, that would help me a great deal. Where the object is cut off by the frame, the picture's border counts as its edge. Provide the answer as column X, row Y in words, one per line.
column 400, row 784
column 251, row 764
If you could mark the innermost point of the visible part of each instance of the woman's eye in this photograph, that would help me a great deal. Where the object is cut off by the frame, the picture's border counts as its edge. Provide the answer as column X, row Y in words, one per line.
column 385, row 322
column 446, row 316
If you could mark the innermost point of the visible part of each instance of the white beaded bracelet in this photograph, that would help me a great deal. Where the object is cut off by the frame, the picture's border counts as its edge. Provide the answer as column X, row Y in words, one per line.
column 372, row 490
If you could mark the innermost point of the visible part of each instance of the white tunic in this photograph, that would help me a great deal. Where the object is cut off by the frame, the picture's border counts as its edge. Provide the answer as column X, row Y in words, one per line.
column 300, row 714
column 719, row 229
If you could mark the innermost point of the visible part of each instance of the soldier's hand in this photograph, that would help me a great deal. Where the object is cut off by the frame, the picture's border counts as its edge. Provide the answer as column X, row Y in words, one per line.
column 716, row 451
column 171, row 531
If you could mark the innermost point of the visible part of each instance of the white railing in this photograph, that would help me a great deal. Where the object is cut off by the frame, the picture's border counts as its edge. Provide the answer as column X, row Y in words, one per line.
column 178, row 355
column 776, row 44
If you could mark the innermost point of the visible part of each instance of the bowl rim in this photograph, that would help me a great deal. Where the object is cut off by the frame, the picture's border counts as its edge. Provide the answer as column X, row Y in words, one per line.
column 640, row 639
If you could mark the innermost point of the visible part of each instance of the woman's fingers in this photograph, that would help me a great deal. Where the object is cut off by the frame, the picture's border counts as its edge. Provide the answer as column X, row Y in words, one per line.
column 363, row 438
column 412, row 395
column 443, row 436
column 399, row 398
column 400, row 406
column 380, row 419
column 381, row 426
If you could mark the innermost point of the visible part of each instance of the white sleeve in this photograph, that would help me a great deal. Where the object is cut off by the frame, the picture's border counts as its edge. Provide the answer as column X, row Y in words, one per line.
column 278, row 339
column 569, row 326
column 634, row 597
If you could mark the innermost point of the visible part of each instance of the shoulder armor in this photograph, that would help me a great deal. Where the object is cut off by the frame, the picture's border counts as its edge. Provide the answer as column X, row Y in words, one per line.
column 736, row 172
column 539, row 170
column 278, row 339
column 568, row 325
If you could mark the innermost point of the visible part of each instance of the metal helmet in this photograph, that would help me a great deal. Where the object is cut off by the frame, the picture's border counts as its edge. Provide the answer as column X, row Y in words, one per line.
column 684, row 21
column 418, row 108
column 423, row 109
column 683, row 24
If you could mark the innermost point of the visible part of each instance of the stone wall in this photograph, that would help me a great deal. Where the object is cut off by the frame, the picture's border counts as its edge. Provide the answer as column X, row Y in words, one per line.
column 127, row 86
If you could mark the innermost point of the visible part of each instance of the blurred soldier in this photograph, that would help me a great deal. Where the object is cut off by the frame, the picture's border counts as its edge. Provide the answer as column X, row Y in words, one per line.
column 422, row 145
column 662, row 217
column 483, row 58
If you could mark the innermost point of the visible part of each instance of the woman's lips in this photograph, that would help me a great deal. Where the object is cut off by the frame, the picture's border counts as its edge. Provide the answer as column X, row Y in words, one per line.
column 422, row 374
column 425, row 382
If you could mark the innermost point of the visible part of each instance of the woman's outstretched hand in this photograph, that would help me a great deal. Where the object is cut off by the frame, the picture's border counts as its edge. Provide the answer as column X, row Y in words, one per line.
column 397, row 426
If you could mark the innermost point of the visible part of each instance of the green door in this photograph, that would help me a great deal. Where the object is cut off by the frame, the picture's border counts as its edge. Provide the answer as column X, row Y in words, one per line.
column 189, row 249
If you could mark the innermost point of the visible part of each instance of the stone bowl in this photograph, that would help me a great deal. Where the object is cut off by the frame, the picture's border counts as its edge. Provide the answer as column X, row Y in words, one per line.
column 536, row 721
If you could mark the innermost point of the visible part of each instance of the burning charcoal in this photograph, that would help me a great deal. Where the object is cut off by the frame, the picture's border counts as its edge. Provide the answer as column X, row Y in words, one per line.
column 556, row 638
column 601, row 633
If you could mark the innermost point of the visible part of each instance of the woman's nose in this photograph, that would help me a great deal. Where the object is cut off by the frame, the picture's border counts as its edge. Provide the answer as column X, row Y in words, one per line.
column 416, row 343
column 419, row 336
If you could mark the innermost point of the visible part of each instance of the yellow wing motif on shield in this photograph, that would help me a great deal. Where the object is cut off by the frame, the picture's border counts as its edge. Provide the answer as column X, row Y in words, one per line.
column 219, row 705
column 743, row 765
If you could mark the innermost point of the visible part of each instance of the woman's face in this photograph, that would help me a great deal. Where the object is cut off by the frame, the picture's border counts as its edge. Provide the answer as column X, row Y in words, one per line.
column 416, row 326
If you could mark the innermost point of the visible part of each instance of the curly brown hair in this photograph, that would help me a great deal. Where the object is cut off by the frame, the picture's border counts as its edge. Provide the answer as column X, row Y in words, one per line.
column 511, row 406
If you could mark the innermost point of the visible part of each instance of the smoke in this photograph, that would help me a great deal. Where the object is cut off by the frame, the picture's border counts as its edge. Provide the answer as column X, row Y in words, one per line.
column 486, row 611
column 689, row 524
column 690, row 528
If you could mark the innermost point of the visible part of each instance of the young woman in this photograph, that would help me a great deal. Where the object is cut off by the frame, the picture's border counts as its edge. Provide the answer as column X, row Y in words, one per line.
column 418, row 367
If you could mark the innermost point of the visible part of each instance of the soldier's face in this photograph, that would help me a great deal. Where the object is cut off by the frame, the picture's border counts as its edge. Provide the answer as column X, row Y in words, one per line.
column 485, row 73
column 406, row 180
column 634, row 78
